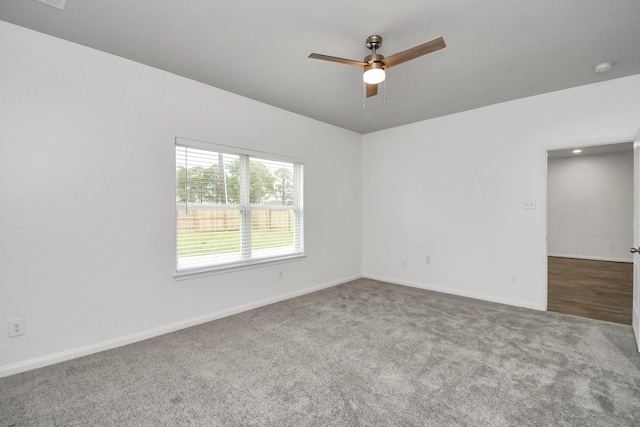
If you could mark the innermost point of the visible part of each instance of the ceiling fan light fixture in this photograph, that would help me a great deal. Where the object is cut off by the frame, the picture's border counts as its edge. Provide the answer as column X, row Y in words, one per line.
column 374, row 73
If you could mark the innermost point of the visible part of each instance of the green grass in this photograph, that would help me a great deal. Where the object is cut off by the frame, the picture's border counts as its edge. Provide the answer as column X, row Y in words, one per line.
column 218, row 242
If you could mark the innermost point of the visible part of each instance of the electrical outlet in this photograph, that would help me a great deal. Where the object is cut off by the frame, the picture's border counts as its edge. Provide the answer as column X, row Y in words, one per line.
column 16, row 327
column 404, row 264
column 529, row 204
column 611, row 247
column 513, row 279
column 427, row 259
column 281, row 276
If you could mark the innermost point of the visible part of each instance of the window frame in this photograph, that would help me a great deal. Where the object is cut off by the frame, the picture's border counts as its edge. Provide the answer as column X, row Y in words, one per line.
column 246, row 209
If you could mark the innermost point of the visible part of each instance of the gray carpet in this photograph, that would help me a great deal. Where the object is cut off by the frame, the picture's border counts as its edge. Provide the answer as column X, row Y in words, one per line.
column 363, row 353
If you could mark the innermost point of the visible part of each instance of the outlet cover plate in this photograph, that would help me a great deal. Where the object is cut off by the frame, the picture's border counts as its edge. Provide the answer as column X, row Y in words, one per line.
column 16, row 327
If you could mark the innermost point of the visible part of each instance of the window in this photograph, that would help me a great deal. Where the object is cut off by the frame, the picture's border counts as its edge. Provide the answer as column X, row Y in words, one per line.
column 235, row 208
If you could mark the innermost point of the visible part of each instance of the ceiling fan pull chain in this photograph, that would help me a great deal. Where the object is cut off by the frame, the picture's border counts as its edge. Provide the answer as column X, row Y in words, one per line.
column 364, row 95
column 384, row 91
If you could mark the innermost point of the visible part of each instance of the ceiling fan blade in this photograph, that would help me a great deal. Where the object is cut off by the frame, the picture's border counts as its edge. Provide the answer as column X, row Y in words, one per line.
column 372, row 89
column 336, row 59
column 414, row 52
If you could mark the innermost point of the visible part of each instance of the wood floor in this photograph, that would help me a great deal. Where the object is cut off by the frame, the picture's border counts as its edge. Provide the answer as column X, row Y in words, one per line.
column 596, row 289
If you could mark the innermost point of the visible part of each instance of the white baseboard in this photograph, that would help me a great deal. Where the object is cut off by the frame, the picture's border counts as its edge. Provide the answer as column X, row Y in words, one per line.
column 62, row 356
column 450, row 291
column 593, row 258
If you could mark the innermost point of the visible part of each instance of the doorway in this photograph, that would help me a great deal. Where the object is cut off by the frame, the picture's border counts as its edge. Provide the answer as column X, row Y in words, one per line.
column 590, row 230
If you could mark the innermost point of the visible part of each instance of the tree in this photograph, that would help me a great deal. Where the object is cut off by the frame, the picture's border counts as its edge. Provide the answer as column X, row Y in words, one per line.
column 219, row 183
column 222, row 181
column 181, row 184
column 261, row 182
column 284, row 186
column 233, row 183
column 201, row 185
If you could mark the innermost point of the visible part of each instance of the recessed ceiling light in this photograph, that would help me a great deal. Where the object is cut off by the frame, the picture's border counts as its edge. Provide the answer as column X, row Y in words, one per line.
column 603, row 67
column 577, row 151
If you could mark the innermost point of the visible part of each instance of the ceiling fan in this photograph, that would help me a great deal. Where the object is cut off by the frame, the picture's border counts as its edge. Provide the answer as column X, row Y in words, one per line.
column 375, row 64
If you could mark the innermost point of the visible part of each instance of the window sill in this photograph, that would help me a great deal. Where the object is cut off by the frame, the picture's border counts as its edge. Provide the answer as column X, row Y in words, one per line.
column 229, row 268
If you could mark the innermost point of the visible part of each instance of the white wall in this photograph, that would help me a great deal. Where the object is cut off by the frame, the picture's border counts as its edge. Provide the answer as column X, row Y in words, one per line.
column 453, row 188
column 88, row 204
column 590, row 206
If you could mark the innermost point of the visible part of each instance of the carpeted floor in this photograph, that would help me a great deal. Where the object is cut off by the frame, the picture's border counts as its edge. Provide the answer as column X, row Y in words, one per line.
column 363, row 353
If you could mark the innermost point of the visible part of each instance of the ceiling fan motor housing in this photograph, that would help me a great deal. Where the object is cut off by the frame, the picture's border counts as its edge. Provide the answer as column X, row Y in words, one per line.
column 370, row 59
column 374, row 65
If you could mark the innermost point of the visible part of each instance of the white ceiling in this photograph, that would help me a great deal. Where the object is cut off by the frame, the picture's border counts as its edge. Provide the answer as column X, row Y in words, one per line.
column 497, row 50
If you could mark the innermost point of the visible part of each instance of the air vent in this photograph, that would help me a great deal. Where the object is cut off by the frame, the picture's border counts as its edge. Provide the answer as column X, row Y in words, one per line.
column 59, row 4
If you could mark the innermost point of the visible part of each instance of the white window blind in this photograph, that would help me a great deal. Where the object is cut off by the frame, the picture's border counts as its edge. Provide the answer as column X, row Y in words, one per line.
column 235, row 208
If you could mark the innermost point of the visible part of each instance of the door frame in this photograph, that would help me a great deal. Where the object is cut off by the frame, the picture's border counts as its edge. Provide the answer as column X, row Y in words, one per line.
column 635, row 297
column 566, row 145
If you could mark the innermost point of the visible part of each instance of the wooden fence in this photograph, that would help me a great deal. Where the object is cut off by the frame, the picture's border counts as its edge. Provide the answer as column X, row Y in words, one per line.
column 228, row 220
